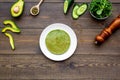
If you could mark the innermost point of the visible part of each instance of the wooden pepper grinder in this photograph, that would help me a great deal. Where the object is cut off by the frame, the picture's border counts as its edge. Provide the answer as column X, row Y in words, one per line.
column 107, row 32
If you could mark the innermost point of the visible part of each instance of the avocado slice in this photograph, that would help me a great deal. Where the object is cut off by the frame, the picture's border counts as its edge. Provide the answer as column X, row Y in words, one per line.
column 17, row 8
column 11, row 40
column 8, row 28
column 11, row 23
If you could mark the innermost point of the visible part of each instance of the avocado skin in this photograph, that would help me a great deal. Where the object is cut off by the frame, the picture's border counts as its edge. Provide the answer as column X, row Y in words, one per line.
column 20, row 4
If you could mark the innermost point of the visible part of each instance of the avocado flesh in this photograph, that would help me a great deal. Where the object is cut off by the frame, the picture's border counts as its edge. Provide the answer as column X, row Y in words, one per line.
column 8, row 28
column 17, row 8
column 11, row 23
column 11, row 40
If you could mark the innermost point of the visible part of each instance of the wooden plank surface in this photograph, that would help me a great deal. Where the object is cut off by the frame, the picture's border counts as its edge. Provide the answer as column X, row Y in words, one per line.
column 85, row 67
column 114, row 1
column 89, row 62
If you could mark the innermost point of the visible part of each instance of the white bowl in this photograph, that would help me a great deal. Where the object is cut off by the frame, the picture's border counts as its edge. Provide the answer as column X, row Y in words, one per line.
column 69, row 52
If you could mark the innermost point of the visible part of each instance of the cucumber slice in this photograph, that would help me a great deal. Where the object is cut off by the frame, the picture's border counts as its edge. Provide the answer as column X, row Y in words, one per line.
column 74, row 12
column 67, row 5
column 82, row 8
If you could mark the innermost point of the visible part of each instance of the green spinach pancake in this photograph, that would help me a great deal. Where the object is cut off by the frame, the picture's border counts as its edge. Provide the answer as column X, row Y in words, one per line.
column 57, row 42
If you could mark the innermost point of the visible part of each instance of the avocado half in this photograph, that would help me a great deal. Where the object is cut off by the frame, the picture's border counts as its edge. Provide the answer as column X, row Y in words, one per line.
column 17, row 8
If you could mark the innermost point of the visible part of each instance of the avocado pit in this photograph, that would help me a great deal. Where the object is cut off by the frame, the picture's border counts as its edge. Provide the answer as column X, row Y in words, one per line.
column 16, row 9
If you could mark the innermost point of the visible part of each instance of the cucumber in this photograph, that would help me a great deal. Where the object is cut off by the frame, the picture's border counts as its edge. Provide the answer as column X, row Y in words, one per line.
column 67, row 5
column 74, row 12
column 79, row 10
column 82, row 9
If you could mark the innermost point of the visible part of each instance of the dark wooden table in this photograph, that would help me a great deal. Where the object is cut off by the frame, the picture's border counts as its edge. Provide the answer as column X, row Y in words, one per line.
column 89, row 62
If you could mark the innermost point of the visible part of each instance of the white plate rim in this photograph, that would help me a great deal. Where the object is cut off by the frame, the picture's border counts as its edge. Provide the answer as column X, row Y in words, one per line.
column 71, row 49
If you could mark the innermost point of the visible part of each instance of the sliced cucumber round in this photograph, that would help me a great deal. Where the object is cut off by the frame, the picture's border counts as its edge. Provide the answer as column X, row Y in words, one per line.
column 74, row 12
column 82, row 8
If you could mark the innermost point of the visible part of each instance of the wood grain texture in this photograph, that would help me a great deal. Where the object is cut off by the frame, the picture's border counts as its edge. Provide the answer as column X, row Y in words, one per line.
column 77, row 67
column 114, row 1
column 89, row 62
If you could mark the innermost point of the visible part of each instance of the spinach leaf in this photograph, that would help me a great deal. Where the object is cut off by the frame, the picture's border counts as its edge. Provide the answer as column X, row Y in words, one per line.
column 100, row 8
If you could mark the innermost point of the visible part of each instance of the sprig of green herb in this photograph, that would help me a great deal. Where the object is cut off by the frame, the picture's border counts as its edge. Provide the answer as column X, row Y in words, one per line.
column 100, row 8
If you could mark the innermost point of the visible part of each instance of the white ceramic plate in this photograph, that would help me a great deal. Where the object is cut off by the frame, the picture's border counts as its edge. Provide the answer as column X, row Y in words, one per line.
column 71, row 49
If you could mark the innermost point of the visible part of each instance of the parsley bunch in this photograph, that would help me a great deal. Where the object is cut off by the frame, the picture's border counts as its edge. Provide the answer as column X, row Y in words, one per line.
column 101, row 8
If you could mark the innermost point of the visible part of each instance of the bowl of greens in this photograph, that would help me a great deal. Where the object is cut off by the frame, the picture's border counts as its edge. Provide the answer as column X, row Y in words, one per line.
column 100, row 9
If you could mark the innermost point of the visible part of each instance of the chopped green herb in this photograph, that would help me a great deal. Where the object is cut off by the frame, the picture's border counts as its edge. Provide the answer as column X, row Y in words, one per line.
column 35, row 10
column 100, row 8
